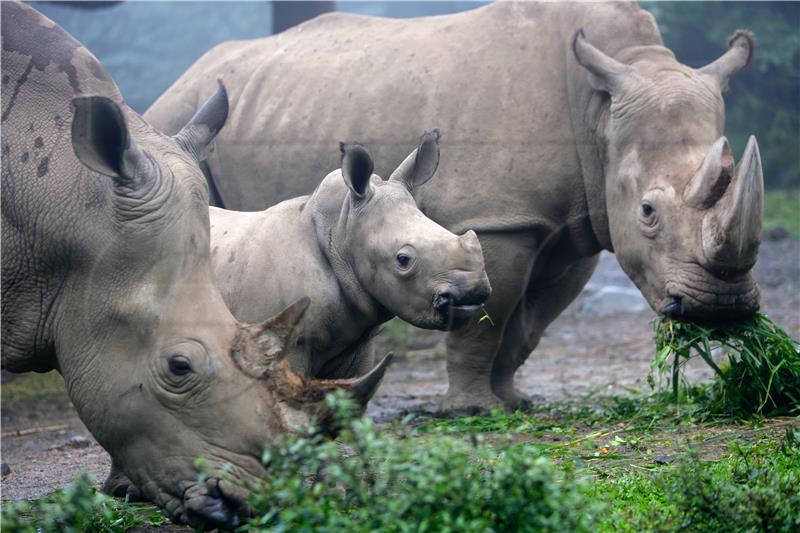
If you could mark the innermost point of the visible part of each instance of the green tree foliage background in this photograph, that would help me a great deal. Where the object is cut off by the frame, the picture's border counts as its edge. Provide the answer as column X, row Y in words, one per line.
column 765, row 97
column 147, row 45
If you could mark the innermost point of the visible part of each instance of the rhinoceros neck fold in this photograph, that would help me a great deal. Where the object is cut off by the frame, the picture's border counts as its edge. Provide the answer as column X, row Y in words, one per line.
column 329, row 214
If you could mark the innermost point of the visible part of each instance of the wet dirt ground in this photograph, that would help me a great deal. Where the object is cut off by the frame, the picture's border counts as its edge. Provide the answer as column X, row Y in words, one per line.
column 599, row 345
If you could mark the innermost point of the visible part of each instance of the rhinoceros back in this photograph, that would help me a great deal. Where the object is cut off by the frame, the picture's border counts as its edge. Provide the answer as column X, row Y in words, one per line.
column 494, row 80
column 48, row 196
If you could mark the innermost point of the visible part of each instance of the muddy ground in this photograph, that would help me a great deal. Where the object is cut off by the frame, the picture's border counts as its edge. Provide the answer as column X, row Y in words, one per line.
column 602, row 344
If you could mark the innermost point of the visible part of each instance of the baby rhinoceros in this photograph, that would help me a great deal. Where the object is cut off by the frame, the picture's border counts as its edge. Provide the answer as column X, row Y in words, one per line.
column 362, row 250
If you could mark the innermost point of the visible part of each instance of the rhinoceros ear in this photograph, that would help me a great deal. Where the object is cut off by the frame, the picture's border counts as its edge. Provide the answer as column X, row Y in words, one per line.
column 605, row 73
column 357, row 168
column 421, row 164
column 102, row 141
column 206, row 123
column 739, row 54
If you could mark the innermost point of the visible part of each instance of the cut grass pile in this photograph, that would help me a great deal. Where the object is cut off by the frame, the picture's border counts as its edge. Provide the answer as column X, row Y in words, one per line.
column 78, row 508
column 761, row 373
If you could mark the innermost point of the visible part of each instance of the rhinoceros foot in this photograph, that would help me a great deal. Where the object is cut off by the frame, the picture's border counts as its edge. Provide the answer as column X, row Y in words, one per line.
column 515, row 400
column 118, row 485
column 469, row 403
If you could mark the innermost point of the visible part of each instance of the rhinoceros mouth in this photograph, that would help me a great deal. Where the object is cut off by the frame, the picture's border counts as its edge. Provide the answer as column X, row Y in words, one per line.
column 711, row 298
column 455, row 311
column 213, row 505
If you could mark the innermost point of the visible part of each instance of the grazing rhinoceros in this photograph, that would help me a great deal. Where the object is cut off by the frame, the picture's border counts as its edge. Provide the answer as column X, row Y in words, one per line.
column 561, row 143
column 106, row 277
column 363, row 252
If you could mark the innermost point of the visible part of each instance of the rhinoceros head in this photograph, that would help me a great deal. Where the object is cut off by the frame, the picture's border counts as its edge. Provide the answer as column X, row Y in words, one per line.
column 410, row 265
column 683, row 218
column 174, row 377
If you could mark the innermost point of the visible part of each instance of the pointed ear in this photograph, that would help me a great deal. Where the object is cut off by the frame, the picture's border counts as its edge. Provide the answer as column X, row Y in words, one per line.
column 738, row 56
column 206, row 123
column 605, row 73
column 102, row 141
column 421, row 164
column 357, row 168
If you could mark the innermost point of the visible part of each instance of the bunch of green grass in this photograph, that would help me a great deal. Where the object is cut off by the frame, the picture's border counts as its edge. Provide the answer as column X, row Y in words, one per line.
column 761, row 375
column 78, row 508
column 369, row 481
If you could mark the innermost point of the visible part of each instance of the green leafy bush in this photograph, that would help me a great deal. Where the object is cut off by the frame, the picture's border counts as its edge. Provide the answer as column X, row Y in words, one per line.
column 753, row 488
column 78, row 508
column 368, row 481
column 762, row 372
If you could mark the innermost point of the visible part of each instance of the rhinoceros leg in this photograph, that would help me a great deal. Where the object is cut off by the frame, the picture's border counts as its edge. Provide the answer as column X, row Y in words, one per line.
column 118, row 485
column 471, row 350
column 534, row 312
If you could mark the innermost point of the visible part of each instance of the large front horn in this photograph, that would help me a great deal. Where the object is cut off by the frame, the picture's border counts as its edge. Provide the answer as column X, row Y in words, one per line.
column 732, row 229
column 711, row 180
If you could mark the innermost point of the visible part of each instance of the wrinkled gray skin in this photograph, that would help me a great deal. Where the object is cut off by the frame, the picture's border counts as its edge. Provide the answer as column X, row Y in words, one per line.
column 556, row 141
column 106, row 278
column 363, row 252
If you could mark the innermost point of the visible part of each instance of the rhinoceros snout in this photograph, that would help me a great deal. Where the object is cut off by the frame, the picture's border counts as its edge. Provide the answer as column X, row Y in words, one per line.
column 673, row 308
column 209, row 507
column 461, row 299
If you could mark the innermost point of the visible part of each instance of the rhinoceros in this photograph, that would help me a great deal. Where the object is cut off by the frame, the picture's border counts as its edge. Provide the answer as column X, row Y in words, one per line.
column 106, row 277
column 363, row 252
column 571, row 130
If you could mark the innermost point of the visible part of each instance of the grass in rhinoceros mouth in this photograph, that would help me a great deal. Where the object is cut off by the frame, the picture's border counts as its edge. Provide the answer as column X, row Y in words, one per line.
column 760, row 374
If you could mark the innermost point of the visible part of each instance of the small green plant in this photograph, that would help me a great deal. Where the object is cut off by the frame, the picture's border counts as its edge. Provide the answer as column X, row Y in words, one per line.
column 369, row 481
column 762, row 372
column 78, row 508
column 486, row 317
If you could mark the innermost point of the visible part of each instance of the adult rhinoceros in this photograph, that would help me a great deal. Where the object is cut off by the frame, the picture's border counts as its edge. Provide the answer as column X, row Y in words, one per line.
column 569, row 129
column 106, row 278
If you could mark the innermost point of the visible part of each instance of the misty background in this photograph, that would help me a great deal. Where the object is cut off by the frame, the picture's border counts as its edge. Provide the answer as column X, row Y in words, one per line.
column 146, row 46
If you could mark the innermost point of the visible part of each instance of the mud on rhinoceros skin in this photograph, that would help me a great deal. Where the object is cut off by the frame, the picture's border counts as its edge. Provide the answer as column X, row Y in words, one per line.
column 540, row 128
column 106, row 278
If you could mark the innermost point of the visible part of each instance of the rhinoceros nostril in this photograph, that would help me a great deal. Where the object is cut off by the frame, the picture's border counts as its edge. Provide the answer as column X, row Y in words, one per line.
column 443, row 299
column 674, row 307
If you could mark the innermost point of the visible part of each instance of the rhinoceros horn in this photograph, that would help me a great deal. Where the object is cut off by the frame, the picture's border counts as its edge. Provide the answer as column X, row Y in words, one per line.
column 261, row 353
column 311, row 391
column 421, row 164
column 731, row 229
column 261, row 347
column 711, row 181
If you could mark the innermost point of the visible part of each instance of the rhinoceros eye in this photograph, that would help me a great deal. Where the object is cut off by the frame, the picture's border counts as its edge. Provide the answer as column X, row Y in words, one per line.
column 647, row 209
column 179, row 365
column 403, row 260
